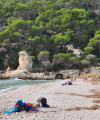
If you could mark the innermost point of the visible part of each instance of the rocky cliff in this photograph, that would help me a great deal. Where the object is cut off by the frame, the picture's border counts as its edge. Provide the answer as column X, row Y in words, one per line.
column 25, row 61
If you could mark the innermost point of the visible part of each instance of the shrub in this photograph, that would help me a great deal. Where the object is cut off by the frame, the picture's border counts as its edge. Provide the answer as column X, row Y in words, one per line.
column 43, row 55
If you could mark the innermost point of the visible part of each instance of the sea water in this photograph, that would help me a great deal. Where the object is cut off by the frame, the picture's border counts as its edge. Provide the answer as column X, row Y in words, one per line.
column 13, row 83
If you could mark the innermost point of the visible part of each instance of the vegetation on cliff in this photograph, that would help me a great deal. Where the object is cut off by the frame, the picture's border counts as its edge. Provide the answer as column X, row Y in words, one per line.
column 44, row 28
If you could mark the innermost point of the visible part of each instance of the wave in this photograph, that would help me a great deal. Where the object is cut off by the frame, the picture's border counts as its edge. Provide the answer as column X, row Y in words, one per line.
column 4, row 90
column 15, row 79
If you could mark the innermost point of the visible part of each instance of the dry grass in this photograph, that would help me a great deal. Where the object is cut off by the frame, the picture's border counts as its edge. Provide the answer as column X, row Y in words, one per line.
column 92, row 77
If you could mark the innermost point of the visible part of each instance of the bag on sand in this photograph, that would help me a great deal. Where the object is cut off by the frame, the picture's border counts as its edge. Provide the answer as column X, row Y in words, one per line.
column 19, row 105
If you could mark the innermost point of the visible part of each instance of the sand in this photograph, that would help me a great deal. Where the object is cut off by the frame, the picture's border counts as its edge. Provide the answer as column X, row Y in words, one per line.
column 69, row 102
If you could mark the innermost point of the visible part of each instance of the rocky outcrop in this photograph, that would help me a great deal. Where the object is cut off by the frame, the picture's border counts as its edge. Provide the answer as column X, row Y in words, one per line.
column 25, row 64
column 69, row 73
column 8, row 69
column 44, row 76
column 25, row 61
column 77, row 52
column 24, row 74
column 49, row 75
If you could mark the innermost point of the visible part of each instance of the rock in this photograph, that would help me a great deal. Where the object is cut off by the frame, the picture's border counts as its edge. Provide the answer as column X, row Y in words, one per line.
column 68, row 73
column 8, row 69
column 42, row 76
column 25, row 64
column 77, row 52
column 63, row 73
column 24, row 74
column 25, row 61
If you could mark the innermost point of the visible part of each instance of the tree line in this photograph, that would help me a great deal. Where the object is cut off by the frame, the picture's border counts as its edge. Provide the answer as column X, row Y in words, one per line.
column 44, row 28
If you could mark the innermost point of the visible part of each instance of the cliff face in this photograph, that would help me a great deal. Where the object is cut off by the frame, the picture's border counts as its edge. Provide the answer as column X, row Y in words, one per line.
column 24, row 74
column 25, row 61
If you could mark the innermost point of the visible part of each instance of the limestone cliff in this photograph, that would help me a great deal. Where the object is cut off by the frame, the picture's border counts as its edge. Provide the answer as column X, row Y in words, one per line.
column 25, row 61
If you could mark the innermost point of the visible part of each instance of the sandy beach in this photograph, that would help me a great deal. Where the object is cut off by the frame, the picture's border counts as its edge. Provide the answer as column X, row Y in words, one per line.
column 69, row 102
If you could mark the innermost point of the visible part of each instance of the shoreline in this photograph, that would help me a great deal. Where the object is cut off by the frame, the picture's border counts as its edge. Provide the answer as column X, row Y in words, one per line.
column 12, row 86
column 63, row 104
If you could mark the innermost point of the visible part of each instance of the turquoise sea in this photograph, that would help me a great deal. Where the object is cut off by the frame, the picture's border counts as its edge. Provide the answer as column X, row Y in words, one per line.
column 13, row 83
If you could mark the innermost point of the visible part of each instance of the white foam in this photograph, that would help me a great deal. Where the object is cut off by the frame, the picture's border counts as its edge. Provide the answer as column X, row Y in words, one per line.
column 6, row 89
column 11, row 88
column 15, row 79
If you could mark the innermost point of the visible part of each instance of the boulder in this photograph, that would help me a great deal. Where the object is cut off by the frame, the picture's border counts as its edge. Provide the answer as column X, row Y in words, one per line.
column 24, row 74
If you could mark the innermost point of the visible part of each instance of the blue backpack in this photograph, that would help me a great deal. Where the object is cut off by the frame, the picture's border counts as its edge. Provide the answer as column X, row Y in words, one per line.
column 19, row 105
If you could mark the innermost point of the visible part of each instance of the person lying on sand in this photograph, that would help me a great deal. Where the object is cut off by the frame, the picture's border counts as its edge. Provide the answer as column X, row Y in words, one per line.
column 67, row 83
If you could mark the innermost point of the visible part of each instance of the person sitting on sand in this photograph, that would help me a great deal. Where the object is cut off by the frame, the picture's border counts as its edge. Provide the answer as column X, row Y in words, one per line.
column 42, row 102
column 71, row 79
column 74, row 79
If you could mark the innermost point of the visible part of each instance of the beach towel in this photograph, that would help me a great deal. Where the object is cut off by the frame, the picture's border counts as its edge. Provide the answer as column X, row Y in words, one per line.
column 10, row 110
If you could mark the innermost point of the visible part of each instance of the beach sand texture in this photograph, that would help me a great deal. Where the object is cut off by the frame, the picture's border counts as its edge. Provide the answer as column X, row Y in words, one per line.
column 69, row 102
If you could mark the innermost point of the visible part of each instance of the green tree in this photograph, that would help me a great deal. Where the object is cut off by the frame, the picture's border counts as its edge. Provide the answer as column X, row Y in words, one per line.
column 94, row 44
column 43, row 56
column 16, row 33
